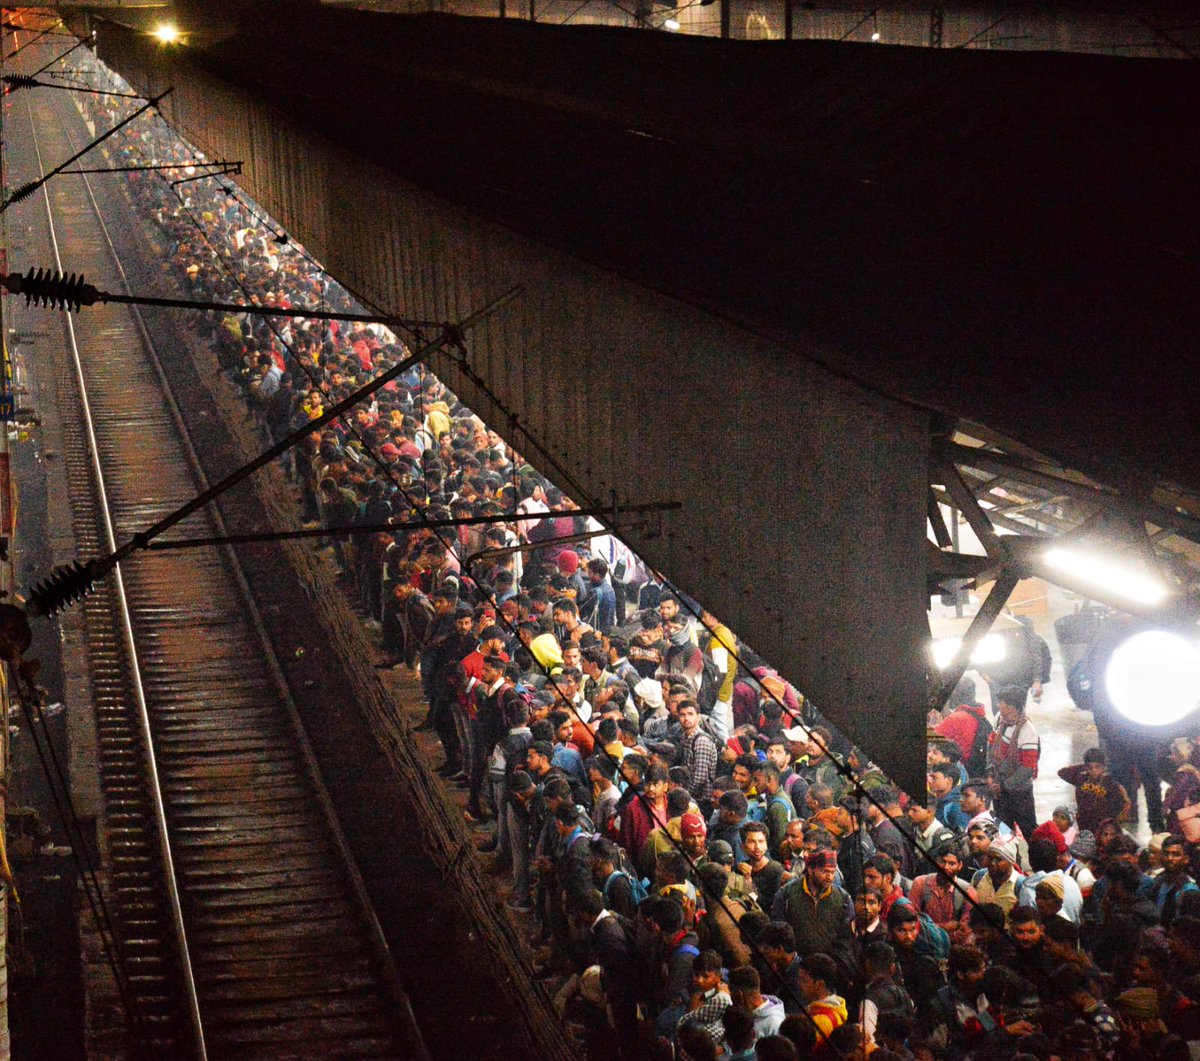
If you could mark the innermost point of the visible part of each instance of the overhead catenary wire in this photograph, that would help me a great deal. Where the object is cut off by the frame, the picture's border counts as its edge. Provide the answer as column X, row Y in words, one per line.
column 452, row 546
column 833, row 759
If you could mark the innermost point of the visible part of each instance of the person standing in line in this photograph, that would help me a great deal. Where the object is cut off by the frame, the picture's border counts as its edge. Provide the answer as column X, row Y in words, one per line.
column 1013, row 761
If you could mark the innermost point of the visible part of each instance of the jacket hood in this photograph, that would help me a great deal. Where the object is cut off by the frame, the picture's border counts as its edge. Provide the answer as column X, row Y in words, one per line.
column 832, row 1003
column 771, row 1007
column 546, row 651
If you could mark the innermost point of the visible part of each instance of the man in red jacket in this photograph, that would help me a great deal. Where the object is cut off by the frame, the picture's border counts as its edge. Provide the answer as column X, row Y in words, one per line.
column 962, row 725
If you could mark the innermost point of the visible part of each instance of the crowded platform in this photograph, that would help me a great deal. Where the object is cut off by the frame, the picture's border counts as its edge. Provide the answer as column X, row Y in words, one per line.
column 703, row 868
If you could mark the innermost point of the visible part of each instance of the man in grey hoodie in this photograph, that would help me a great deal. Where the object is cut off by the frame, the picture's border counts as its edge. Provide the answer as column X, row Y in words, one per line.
column 744, row 988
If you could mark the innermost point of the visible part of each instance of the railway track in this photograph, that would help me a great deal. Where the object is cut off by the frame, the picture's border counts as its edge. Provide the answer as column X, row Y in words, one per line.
column 243, row 926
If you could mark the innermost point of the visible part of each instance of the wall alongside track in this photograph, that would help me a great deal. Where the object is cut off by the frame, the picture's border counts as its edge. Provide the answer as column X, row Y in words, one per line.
column 804, row 511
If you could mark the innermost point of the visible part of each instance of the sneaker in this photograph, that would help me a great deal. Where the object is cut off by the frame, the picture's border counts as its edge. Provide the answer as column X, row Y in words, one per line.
column 55, row 849
column 50, row 710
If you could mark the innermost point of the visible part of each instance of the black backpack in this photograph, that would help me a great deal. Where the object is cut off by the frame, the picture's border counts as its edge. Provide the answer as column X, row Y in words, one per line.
column 977, row 761
column 710, row 684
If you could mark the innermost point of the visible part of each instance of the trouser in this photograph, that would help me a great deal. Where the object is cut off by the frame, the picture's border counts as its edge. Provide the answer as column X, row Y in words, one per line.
column 477, row 760
column 463, row 734
column 1132, row 764
column 1015, row 808
column 392, row 631
column 518, row 837
column 723, row 712
column 619, row 593
column 427, row 668
column 503, row 835
column 444, row 723
column 624, row 1017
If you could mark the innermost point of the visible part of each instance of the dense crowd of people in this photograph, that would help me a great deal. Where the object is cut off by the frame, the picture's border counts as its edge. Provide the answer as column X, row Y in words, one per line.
column 705, row 869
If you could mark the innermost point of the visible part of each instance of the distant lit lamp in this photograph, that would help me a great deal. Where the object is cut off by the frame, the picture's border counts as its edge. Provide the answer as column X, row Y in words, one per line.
column 166, row 33
column 1153, row 678
column 671, row 25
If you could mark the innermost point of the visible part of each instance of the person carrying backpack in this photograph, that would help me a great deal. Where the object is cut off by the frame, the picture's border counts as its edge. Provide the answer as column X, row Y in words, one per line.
column 968, row 726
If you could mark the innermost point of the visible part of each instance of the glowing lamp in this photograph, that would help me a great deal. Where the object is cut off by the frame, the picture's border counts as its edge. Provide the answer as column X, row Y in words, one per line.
column 1153, row 678
column 166, row 33
column 992, row 648
column 1107, row 576
column 672, row 25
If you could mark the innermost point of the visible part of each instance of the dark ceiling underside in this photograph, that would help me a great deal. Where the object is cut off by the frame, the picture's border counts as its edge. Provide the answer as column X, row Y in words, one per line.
column 1011, row 238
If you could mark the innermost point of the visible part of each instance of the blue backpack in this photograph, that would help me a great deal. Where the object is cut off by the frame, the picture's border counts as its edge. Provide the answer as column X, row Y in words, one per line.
column 933, row 941
column 638, row 887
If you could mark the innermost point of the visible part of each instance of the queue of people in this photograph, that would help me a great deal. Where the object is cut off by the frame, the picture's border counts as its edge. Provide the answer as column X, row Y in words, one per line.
column 704, row 870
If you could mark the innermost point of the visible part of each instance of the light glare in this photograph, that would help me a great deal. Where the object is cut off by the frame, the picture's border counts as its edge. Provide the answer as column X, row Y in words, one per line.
column 875, row 36
column 672, row 25
column 1107, row 576
column 166, row 33
column 991, row 649
column 1153, row 678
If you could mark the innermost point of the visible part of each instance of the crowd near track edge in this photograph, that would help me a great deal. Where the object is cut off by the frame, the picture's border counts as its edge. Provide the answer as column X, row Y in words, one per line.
column 242, row 924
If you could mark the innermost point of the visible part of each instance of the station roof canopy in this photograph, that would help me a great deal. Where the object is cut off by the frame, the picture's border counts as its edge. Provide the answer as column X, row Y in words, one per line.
column 1011, row 238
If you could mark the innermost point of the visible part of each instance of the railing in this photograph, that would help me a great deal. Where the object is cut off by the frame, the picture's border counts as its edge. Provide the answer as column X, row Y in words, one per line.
column 1169, row 33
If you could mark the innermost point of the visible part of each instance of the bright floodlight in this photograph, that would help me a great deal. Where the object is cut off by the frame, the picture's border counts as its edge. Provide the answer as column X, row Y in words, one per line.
column 991, row 649
column 672, row 25
column 875, row 35
column 1153, row 678
column 1107, row 577
column 166, row 33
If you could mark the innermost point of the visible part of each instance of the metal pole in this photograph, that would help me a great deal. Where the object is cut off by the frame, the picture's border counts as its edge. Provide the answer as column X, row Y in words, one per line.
column 954, row 542
column 726, row 18
column 788, row 18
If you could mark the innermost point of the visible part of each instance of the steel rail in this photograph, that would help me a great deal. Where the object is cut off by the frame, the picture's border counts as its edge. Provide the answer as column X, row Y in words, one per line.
column 172, row 886
column 341, row 843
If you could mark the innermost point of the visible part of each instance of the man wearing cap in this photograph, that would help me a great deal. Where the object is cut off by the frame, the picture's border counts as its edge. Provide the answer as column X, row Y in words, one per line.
column 721, row 854
column 1043, row 864
column 1143, row 1034
column 692, row 836
column 652, row 708
column 998, row 883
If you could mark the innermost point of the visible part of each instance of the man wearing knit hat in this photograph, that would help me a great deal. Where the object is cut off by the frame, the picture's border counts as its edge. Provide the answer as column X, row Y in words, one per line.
column 1143, row 1034
column 692, row 835
column 998, row 883
column 1074, row 862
